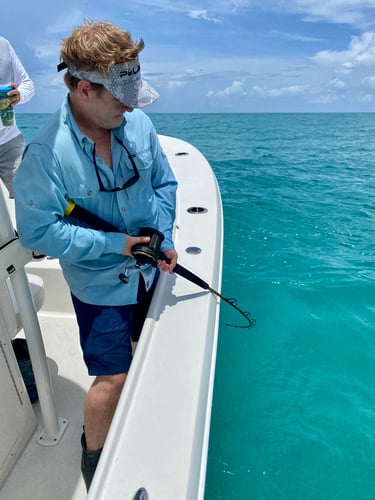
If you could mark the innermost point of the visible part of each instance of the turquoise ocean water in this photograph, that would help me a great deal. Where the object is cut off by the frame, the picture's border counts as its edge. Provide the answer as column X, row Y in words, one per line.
column 294, row 401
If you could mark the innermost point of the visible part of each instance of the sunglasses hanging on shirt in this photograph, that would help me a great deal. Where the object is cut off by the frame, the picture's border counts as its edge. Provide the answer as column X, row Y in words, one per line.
column 129, row 182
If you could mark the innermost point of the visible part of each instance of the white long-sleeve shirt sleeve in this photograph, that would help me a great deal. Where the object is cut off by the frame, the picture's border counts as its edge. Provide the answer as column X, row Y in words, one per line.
column 12, row 70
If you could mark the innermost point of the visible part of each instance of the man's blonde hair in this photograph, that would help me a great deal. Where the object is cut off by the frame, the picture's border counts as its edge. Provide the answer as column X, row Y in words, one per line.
column 97, row 46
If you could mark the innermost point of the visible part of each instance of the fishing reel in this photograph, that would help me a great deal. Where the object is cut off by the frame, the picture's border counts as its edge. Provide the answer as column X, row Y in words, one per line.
column 148, row 253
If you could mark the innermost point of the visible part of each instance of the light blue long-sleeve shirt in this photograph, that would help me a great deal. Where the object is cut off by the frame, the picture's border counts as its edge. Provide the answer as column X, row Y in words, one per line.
column 57, row 166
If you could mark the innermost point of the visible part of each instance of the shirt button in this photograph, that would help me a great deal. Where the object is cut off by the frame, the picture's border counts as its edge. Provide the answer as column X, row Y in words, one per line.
column 89, row 193
column 123, row 209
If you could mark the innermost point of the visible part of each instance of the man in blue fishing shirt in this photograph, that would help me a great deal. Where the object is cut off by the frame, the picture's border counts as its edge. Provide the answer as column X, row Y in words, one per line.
column 112, row 165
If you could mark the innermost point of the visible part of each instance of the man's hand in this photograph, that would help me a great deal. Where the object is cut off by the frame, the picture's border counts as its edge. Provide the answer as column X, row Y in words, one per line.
column 172, row 256
column 133, row 240
column 14, row 95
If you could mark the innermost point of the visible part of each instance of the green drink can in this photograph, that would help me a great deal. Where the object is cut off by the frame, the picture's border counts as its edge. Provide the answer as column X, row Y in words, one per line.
column 6, row 110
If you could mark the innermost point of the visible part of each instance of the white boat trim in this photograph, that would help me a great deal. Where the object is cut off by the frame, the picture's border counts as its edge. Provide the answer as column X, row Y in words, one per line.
column 159, row 437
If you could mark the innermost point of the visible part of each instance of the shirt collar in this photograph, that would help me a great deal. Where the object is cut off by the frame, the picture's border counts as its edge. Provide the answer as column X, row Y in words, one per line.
column 85, row 143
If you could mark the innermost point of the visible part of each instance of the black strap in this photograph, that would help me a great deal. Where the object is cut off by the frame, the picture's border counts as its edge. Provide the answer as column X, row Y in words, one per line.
column 61, row 66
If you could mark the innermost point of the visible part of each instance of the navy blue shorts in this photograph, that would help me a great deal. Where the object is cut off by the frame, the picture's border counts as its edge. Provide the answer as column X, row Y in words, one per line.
column 106, row 332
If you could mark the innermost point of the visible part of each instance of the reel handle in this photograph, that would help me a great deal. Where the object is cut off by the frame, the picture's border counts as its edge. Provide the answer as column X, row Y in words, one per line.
column 150, row 254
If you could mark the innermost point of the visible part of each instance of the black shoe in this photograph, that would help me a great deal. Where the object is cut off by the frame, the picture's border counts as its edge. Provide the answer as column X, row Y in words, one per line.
column 141, row 494
column 89, row 462
column 38, row 256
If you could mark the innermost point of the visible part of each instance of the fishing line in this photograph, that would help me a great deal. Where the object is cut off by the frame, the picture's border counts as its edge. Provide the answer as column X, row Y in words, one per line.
column 149, row 253
column 233, row 302
column 182, row 271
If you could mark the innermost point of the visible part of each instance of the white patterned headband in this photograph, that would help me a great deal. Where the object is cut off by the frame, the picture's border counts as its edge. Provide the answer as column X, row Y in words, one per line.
column 123, row 81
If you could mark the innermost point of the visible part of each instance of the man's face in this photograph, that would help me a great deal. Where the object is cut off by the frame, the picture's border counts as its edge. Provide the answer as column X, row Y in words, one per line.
column 106, row 111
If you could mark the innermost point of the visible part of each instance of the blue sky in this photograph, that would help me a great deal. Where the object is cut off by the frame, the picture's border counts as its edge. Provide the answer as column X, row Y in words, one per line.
column 217, row 55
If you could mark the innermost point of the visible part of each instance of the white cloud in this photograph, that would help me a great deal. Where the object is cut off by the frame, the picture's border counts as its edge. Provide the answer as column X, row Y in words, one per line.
column 44, row 50
column 55, row 82
column 346, row 68
column 175, row 84
column 240, row 3
column 237, row 87
column 291, row 90
column 361, row 52
column 369, row 81
column 257, row 90
column 203, row 14
column 367, row 98
column 326, row 99
column 293, row 36
column 351, row 12
column 337, row 83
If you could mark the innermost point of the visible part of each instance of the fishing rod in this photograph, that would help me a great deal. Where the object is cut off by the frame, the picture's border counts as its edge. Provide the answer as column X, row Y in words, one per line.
column 149, row 253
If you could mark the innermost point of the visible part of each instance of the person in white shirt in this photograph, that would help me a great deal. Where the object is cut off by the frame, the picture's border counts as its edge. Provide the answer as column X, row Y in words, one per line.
column 12, row 144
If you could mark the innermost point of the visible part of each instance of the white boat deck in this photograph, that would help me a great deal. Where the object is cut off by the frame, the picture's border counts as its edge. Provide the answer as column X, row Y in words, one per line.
column 159, row 436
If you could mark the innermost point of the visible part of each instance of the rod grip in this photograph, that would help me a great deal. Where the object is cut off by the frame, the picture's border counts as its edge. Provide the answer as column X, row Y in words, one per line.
column 89, row 218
